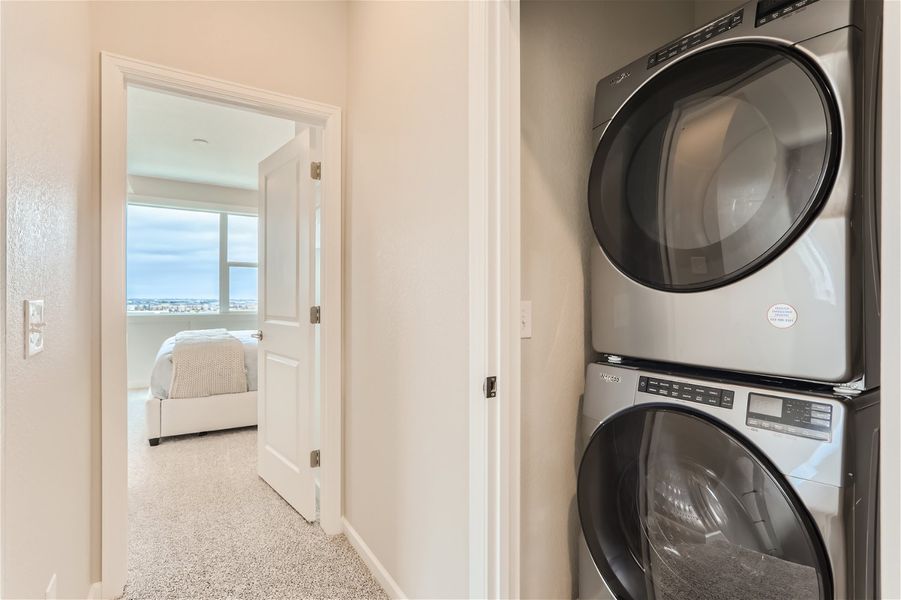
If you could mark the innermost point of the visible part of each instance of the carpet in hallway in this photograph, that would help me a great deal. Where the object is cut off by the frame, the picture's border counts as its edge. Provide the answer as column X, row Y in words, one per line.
column 204, row 525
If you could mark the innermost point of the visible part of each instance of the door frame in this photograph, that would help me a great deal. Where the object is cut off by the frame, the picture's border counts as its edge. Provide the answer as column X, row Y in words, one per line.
column 117, row 72
column 494, row 298
column 890, row 272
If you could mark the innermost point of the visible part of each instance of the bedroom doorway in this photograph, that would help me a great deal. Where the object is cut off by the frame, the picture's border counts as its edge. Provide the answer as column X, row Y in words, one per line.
column 221, row 311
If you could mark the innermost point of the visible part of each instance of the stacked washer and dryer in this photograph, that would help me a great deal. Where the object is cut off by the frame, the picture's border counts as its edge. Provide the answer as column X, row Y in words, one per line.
column 730, row 425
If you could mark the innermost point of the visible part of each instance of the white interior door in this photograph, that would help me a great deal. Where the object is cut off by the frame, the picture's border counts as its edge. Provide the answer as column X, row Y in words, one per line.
column 287, row 350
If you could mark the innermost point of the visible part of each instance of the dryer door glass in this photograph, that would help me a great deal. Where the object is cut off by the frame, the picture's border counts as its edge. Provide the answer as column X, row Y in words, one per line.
column 674, row 506
column 713, row 167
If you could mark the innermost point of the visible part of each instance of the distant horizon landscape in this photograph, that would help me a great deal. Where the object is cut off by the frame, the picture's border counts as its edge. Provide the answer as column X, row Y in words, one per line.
column 188, row 305
column 173, row 261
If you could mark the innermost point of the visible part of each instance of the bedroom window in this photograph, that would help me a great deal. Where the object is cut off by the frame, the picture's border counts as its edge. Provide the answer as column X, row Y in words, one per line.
column 241, row 260
column 182, row 261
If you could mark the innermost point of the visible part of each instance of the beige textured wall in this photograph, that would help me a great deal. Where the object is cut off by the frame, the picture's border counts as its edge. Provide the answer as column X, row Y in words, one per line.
column 297, row 48
column 566, row 48
column 406, row 414
column 49, row 521
column 51, row 58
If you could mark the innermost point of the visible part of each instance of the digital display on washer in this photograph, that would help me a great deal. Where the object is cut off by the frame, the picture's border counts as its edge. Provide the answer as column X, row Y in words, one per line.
column 765, row 405
column 790, row 415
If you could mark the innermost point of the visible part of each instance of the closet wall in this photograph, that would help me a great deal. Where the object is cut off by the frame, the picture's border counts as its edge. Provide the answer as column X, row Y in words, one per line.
column 566, row 48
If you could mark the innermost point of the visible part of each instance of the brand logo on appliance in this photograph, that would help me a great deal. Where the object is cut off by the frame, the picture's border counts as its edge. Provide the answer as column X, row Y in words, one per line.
column 610, row 378
column 620, row 78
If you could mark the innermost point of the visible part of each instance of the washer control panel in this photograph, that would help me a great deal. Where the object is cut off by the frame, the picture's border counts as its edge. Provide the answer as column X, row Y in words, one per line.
column 701, row 394
column 711, row 30
column 790, row 415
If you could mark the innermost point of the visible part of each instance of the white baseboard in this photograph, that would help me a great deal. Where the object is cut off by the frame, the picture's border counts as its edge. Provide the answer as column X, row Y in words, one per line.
column 95, row 592
column 375, row 566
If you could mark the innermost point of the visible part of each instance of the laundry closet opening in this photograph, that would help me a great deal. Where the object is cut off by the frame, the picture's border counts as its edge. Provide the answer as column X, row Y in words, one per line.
column 707, row 165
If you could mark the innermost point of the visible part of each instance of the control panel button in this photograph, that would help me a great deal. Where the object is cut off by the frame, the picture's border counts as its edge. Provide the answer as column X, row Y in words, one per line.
column 728, row 398
column 711, row 30
column 691, row 392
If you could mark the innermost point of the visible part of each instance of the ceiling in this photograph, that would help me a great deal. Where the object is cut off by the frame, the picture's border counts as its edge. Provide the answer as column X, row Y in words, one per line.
column 162, row 127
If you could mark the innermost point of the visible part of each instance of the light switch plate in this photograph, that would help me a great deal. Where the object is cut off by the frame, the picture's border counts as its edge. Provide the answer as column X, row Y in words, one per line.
column 525, row 319
column 34, row 327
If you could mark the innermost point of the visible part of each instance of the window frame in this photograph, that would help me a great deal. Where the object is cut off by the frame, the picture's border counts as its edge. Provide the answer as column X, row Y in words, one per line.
column 225, row 265
column 223, row 210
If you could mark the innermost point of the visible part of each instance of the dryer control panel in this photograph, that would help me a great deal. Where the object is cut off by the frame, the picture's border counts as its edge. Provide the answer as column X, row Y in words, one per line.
column 711, row 30
column 790, row 415
column 701, row 394
column 770, row 10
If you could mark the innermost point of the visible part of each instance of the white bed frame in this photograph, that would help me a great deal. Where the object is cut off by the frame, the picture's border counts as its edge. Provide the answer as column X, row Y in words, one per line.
column 178, row 416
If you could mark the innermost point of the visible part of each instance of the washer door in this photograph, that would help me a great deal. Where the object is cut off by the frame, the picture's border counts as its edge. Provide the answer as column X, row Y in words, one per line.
column 675, row 506
column 713, row 167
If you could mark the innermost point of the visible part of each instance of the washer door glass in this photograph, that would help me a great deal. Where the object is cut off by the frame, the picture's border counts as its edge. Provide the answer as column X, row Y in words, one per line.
column 713, row 167
column 673, row 506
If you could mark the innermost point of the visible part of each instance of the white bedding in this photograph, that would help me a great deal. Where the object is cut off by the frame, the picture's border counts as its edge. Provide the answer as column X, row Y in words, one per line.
column 161, row 377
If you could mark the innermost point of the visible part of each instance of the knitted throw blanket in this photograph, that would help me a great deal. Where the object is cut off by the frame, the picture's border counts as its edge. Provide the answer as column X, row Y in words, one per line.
column 207, row 362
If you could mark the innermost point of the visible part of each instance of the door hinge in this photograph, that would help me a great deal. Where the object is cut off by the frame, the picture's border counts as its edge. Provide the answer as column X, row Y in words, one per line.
column 491, row 387
column 314, row 459
column 315, row 315
column 316, row 170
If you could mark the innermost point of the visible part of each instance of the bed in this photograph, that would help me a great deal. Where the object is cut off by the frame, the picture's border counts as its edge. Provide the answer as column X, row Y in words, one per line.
column 171, row 414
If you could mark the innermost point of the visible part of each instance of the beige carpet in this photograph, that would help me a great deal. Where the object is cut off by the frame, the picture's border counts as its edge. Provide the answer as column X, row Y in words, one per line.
column 204, row 525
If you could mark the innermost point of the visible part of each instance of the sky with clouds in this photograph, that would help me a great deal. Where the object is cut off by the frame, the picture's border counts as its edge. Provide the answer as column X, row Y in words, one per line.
column 175, row 254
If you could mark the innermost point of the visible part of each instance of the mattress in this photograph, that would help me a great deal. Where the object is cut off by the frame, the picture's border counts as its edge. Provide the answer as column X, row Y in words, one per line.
column 161, row 377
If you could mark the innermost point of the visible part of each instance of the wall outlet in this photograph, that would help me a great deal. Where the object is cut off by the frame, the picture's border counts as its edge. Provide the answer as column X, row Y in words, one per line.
column 50, row 592
column 525, row 319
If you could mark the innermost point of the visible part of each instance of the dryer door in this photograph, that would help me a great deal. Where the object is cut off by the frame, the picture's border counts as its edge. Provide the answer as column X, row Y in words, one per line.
column 714, row 166
column 673, row 505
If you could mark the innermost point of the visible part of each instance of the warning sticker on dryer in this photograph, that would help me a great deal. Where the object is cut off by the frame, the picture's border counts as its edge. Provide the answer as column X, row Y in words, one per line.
column 782, row 316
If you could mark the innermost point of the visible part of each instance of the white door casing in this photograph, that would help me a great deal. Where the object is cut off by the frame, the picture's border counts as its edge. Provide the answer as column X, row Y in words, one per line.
column 287, row 349
column 494, row 276
column 117, row 72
